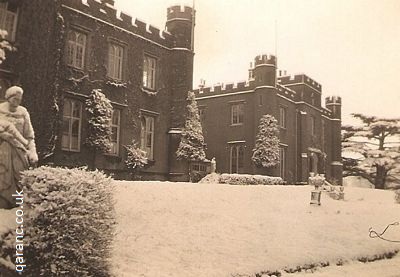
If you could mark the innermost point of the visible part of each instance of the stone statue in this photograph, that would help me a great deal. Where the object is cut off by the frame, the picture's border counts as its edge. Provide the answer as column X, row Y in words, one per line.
column 17, row 145
column 213, row 165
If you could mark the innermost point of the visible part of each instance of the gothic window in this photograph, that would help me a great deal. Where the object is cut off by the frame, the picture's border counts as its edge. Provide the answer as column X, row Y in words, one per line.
column 237, row 112
column 282, row 162
column 115, row 124
column 149, row 72
column 115, row 61
column 282, row 117
column 147, row 136
column 72, row 120
column 76, row 49
column 8, row 19
column 236, row 158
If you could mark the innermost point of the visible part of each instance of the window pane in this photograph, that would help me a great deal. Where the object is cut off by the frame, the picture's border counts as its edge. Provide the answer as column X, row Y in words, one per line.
column 67, row 108
column 65, row 141
column 77, row 109
column 75, row 127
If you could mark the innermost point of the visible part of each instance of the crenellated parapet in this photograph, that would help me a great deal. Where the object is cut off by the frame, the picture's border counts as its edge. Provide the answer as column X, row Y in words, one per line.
column 286, row 92
column 180, row 13
column 229, row 88
column 265, row 59
column 104, row 10
column 334, row 104
column 299, row 79
column 333, row 100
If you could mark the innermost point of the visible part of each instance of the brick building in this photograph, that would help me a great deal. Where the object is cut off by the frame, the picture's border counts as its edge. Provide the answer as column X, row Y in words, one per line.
column 67, row 48
column 310, row 139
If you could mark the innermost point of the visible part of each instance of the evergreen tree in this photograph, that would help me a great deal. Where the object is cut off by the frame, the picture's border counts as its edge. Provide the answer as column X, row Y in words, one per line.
column 99, row 110
column 266, row 150
column 191, row 147
column 376, row 143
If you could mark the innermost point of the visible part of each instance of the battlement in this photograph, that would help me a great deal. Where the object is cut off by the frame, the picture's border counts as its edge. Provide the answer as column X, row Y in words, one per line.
column 299, row 78
column 224, row 88
column 326, row 112
column 333, row 100
column 286, row 92
column 179, row 12
column 105, row 11
column 264, row 60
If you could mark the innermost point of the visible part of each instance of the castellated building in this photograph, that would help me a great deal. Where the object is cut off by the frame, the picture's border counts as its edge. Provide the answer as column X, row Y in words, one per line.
column 67, row 48
column 310, row 138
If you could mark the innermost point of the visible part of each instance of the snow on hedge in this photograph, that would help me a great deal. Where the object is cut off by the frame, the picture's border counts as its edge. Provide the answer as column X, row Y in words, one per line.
column 247, row 179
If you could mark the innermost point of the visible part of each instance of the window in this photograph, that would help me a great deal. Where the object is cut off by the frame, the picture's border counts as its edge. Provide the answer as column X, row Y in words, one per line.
column 115, row 127
column 236, row 158
column 282, row 161
column 76, row 49
column 312, row 99
column 282, row 117
column 115, row 60
column 313, row 125
column 72, row 118
column 261, row 99
column 8, row 19
column 147, row 136
column 202, row 114
column 149, row 72
column 237, row 114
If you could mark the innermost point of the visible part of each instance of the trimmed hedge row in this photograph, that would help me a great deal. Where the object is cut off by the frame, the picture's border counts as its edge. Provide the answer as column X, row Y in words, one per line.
column 246, row 179
column 69, row 219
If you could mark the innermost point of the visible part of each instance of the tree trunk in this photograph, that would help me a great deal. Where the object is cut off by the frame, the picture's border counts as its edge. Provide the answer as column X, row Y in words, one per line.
column 380, row 178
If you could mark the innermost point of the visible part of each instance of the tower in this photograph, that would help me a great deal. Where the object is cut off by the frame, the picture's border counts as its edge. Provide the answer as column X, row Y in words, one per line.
column 180, row 24
column 264, row 71
column 334, row 104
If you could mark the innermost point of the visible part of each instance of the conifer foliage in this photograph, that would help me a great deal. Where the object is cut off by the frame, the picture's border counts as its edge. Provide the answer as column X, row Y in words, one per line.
column 99, row 110
column 377, row 143
column 191, row 147
column 4, row 45
column 266, row 150
column 136, row 157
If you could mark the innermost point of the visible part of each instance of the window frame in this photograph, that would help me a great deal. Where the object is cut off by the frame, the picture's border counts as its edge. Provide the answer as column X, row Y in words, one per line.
column 282, row 121
column 237, row 114
column 73, row 56
column 113, row 59
column 6, row 12
column 71, row 119
column 118, row 128
column 145, row 133
column 236, row 151
column 153, row 76
column 282, row 161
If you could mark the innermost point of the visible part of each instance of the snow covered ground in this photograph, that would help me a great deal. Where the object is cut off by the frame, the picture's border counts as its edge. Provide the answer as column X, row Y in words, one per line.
column 181, row 229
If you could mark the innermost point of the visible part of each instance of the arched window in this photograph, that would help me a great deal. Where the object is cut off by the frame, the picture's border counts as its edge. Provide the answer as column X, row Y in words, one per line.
column 72, row 120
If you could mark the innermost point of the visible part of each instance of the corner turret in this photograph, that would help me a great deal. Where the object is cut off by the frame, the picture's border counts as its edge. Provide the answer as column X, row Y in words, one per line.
column 264, row 71
column 180, row 23
column 334, row 104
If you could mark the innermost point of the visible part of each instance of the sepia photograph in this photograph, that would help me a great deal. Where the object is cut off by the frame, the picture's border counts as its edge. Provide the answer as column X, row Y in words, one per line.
column 199, row 138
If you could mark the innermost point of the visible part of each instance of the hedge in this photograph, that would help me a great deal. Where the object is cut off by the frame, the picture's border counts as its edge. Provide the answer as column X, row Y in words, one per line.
column 246, row 179
column 69, row 222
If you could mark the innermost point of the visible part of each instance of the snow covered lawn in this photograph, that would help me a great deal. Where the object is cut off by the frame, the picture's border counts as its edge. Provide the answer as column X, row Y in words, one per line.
column 181, row 229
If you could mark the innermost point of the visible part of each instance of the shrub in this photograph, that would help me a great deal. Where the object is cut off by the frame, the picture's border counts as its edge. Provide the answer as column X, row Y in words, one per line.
column 69, row 219
column 245, row 179
column 136, row 157
column 397, row 196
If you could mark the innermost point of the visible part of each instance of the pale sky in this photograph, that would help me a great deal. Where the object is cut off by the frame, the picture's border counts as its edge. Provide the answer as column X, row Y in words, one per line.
column 351, row 47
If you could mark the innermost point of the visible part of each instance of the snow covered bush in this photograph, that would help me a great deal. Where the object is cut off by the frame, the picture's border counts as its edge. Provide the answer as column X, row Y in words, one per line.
column 69, row 219
column 4, row 45
column 191, row 147
column 266, row 150
column 99, row 110
column 136, row 157
column 246, row 179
